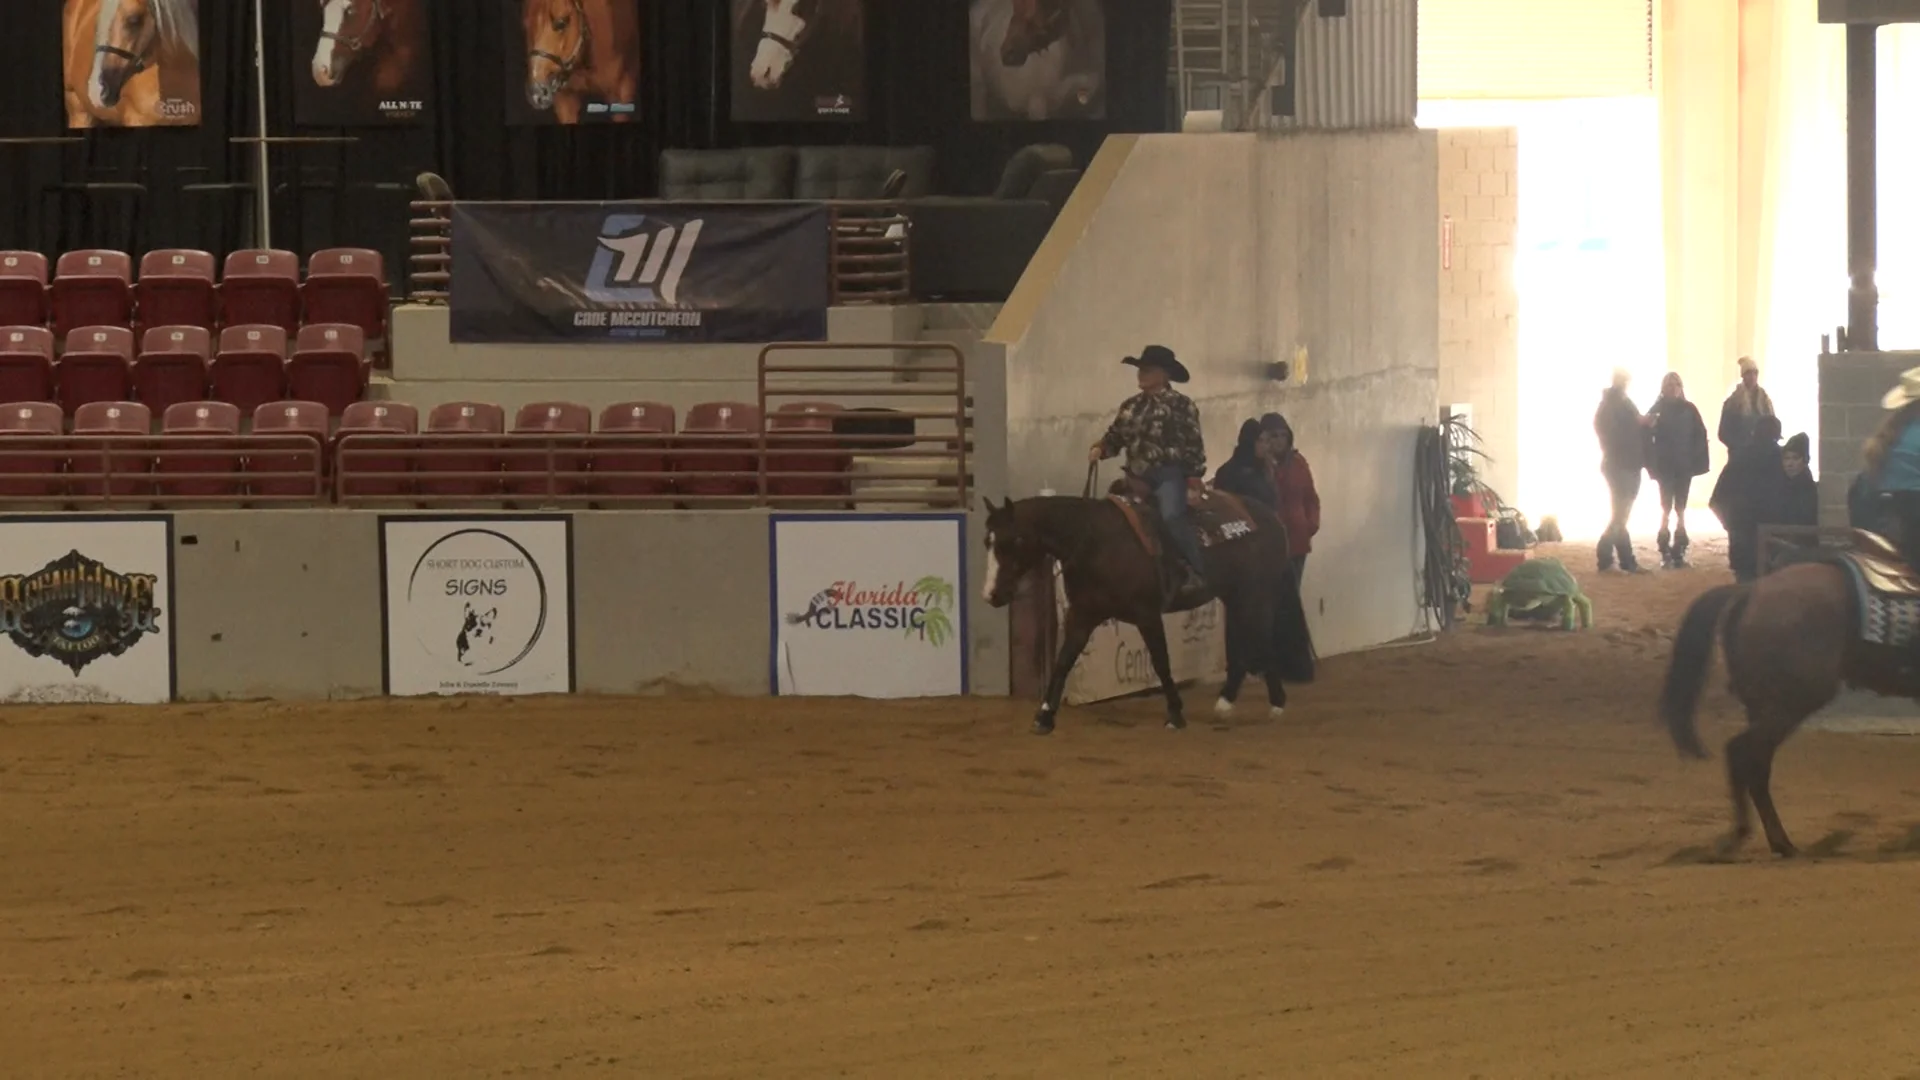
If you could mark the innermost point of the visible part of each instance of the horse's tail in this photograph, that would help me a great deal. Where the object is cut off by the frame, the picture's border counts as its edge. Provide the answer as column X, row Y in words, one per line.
column 1290, row 643
column 1692, row 654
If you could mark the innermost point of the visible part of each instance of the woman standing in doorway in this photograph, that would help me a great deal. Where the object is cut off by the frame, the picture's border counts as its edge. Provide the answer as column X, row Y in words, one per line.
column 1678, row 454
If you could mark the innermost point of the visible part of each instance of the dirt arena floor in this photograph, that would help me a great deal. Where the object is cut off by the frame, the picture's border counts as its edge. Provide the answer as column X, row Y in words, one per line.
column 1475, row 858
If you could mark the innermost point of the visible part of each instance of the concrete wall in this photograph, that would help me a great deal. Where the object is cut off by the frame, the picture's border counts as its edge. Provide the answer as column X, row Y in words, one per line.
column 1479, row 305
column 1851, row 386
column 1238, row 250
column 285, row 604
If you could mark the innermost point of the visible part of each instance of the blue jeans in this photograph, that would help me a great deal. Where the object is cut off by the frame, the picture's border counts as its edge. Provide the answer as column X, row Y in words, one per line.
column 1170, row 492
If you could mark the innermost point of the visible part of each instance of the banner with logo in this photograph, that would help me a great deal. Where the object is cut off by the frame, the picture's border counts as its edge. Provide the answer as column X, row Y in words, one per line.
column 129, row 63
column 798, row 60
column 86, row 609
column 357, row 63
column 869, row 605
column 1116, row 664
column 638, row 272
column 570, row 61
column 477, row 605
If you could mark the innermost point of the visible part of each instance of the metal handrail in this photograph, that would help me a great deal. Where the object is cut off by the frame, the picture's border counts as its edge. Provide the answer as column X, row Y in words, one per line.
column 161, row 470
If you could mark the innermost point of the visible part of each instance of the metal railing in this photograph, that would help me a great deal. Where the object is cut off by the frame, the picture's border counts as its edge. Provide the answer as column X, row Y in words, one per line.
column 869, row 250
column 92, row 471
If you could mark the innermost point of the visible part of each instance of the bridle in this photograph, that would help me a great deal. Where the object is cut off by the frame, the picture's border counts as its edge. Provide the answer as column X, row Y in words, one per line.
column 137, row 62
column 1052, row 19
column 353, row 42
column 792, row 45
column 571, row 62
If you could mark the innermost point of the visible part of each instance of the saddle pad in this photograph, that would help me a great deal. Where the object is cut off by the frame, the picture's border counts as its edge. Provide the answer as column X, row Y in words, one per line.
column 1218, row 517
column 1889, row 617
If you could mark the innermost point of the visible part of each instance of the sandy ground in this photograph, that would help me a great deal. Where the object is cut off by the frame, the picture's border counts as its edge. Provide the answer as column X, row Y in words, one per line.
column 1470, row 858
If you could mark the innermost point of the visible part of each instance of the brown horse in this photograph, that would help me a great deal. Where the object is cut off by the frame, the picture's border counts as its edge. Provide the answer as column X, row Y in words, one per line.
column 580, row 49
column 1110, row 573
column 388, row 32
column 1792, row 639
column 1036, row 24
column 132, row 63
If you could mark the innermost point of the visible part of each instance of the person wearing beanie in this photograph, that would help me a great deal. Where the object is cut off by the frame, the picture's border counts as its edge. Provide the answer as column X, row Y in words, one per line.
column 1744, row 408
column 1800, row 505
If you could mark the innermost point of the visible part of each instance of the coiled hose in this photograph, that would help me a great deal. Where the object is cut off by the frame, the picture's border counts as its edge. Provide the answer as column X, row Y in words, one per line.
column 1446, row 587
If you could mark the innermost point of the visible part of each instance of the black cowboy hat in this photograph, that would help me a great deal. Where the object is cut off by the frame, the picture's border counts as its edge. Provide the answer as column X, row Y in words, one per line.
column 1161, row 357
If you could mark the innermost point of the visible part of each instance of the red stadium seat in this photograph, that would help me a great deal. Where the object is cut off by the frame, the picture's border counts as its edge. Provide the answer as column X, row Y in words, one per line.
column 635, row 418
column 376, row 418
column 30, row 418
column 347, row 285
column 26, row 364
column 462, row 418
column 85, row 466
column 171, row 367
column 176, row 289
column 221, row 471
column 23, row 288
column 93, row 287
column 710, row 450
column 549, row 418
column 96, row 366
column 261, row 286
column 806, row 454
column 328, row 365
column 251, row 367
column 287, row 418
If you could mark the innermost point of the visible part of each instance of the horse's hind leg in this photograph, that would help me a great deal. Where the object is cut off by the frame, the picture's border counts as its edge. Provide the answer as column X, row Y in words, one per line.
column 1759, row 785
column 1740, row 773
column 1155, row 636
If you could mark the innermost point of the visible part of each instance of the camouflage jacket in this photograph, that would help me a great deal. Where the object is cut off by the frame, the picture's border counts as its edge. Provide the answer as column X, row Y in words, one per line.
column 1158, row 429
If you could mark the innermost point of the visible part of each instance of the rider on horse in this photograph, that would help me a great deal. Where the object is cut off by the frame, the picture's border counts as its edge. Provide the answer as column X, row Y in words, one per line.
column 1159, row 428
column 1892, row 474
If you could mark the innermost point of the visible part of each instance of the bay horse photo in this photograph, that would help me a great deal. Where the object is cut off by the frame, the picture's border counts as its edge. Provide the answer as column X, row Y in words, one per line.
column 1792, row 640
column 368, row 61
column 798, row 60
column 1109, row 554
column 1038, row 59
column 131, row 63
column 582, row 58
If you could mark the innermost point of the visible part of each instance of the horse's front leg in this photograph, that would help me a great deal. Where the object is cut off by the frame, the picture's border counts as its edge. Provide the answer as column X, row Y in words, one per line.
column 1073, row 642
column 1236, row 659
column 1155, row 635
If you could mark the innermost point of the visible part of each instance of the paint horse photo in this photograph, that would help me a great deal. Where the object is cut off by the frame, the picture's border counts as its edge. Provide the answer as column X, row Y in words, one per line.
column 799, row 60
column 1038, row 59
column 132, row 63
column 572, row 61
column 360, row 61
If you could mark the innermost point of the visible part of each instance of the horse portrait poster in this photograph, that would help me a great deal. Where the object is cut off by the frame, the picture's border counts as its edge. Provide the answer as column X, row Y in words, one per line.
column 571, row 61
column 360, row 63
column 1038, row 59
column 798, row 60
column 131, row 63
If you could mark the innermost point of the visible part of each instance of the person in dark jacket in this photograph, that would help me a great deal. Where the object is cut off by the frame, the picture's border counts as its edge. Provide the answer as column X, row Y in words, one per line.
column 1749, row 494
column 1297, row 499
column 1743, row 408
column 1678, row 454
column 1623, row 455
column 1246, row 473
column 1800, row 504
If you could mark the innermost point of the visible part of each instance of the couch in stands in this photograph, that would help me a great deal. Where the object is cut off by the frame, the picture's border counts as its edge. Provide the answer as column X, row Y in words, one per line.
column 963, row 247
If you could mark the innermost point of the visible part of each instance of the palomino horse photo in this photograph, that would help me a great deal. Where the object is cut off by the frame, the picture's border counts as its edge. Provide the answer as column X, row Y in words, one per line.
column 799, row 60
column 132, row 63
column 1038, row 59
column 573, row 60
column 360, row 61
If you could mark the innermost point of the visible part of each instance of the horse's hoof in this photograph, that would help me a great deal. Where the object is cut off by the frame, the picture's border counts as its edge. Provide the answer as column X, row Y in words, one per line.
column 1729, row 844
column 1176, row 723
column 1043, row 724
column 1275, row 712
column 1223, row 708
column 1786, row 850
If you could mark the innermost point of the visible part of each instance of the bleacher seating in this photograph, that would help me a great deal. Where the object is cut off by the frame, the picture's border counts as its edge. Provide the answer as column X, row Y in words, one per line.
column 250, row 369
column 462, row 418
column 91, row 288
column 211, row 475
column 568, row 455
column 26, row 364
column 390, row 418
column 719, row 437
column 633, row 418
column 176, row 288
column 328, row 365
column 27, row 477
column 96, row 365
column 307, row 418
column 261, row 287
column 23, row 288
column 88, row 465
column 347, row 285
column 171, row 367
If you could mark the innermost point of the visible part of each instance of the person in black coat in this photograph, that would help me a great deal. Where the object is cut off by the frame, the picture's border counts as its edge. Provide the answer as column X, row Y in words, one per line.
column 1623, row 456
column 1800, row 504
column 1678, row 454
column 1246, row 473
column 1750, row 493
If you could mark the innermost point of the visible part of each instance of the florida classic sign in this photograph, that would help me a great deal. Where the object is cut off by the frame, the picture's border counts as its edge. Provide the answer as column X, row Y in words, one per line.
column 479, row 605
column 86, row 609
column 868, row 605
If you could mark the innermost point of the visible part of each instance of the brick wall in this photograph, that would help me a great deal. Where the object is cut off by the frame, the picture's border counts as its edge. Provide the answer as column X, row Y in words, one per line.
column 1851, row 386
column 1479, row 307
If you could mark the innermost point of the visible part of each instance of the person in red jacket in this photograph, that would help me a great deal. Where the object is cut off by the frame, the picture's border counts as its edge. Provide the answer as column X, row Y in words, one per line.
column 1299, row 503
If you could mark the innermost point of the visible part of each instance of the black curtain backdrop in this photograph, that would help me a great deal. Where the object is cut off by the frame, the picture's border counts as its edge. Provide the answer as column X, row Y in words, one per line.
column 197, row 182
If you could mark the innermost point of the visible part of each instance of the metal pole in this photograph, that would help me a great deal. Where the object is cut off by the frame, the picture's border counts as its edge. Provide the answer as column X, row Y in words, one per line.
column 263, row 208
column 1863, row 296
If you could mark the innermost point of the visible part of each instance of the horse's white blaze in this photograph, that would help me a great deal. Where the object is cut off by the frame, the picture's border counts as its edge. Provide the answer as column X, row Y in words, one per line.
column 102, row 33
column 771, row 59
column 331, row 18
column 993, row 572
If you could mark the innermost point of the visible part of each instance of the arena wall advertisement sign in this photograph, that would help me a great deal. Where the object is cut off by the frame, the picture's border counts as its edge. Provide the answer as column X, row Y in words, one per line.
column 869, row 605
column 1116, row 664
column 86, row 609
column 639, row 272
column 129, row 63
column 477, row 605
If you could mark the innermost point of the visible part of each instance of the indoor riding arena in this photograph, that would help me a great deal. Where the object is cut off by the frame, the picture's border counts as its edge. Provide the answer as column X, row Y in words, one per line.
column 564, row 574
